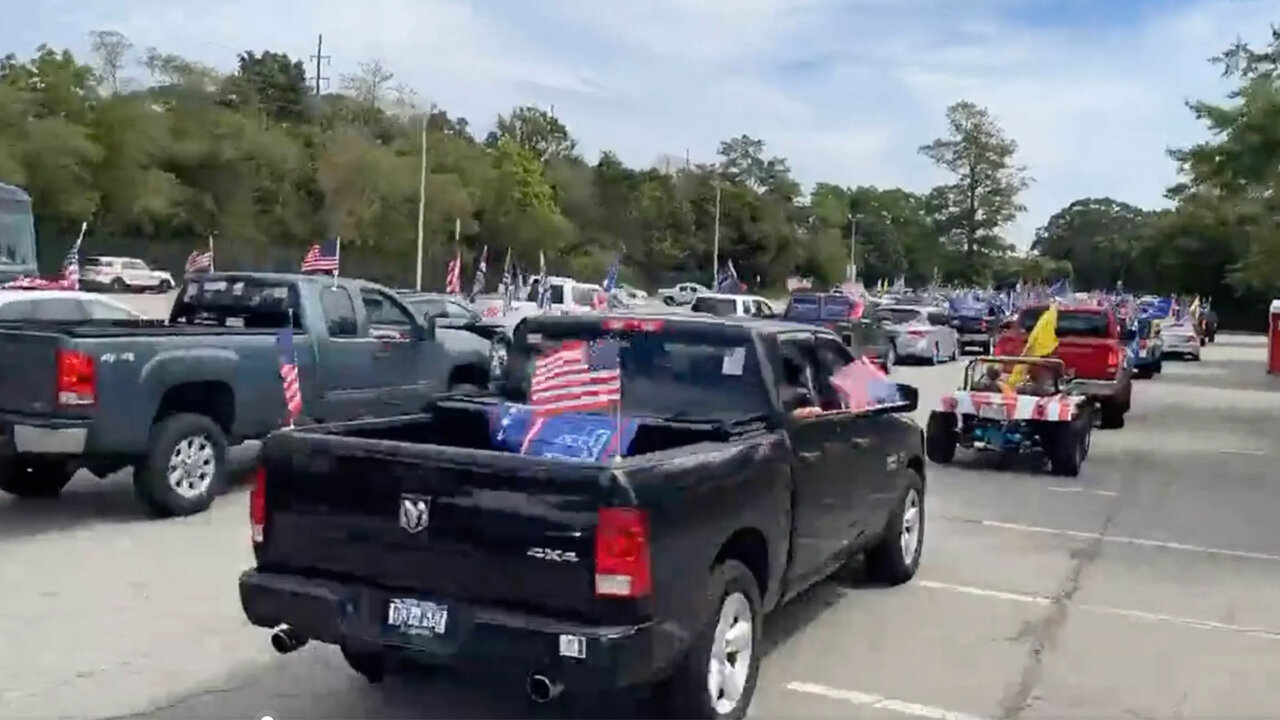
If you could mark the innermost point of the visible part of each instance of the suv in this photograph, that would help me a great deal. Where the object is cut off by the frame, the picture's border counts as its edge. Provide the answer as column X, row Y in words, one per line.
column 722, row 305
column 122, row 274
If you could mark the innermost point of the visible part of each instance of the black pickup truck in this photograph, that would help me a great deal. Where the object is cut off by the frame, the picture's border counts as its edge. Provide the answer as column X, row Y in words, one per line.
column 167, row 397
column 421, row 540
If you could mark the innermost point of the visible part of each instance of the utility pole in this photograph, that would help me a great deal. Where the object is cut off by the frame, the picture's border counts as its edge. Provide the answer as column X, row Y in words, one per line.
column 715, row 252
column 320, row 57
column 422, row 204
column 853, row 242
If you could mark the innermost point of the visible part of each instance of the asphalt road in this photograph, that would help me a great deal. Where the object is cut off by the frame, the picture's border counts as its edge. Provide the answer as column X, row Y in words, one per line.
column 1148, row 587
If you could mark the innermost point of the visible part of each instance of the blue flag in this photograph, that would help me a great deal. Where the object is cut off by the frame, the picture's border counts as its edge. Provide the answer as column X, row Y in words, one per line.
column 583, row 437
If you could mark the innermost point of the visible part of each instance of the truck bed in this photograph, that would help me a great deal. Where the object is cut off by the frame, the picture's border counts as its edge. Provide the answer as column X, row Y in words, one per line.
column 128, row 328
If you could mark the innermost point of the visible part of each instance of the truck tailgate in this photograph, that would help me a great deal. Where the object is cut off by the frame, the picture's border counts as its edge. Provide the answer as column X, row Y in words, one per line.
column 1090, row 358
column 28, row 377
column 454, row 523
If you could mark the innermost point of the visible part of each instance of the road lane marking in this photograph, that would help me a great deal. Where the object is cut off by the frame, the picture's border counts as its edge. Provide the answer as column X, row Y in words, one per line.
column 1241, row 451
column 1143, row 542
column 879, row 702
column 1102, row 609
column 1107, row 493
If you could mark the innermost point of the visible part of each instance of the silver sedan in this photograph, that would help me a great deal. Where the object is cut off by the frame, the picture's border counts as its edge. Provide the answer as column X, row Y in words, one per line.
column 1180, row 340
column 920, row 332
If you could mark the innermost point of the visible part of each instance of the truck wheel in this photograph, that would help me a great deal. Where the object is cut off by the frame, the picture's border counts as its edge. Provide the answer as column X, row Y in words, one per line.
column 1067, row 447
column 118, row 286
column 669, row 301
column 940, row 437
column 1112, row 416
column 895, row 557
column 1203, row 341
column 370, row 666
column 717, row 676
column 186, row 467
column 34, row 478
column 1144, row 373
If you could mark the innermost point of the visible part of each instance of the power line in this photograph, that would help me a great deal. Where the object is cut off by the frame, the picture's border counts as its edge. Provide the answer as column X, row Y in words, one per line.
column 319, row 58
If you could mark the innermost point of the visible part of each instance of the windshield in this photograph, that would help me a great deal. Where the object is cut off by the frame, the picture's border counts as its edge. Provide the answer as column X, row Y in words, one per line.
column 720, row 307
column 689, row 373
column 237, row 302
column 1070, row 323
column 898, row 316
column 17, row 234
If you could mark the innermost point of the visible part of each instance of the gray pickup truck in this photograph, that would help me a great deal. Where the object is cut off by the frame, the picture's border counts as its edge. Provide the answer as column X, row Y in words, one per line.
column 168, row 397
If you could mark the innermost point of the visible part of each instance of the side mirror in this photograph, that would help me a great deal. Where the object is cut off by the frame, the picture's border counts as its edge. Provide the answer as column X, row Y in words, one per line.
column 910, row 398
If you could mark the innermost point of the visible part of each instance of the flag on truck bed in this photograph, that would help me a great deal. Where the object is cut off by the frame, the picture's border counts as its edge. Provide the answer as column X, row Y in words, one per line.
column 584, row 437
column 289, row 375
column 323, row 257
column 577, row 375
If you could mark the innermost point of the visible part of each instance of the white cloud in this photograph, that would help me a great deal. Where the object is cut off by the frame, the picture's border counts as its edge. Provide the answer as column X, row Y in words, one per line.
column 846, row 90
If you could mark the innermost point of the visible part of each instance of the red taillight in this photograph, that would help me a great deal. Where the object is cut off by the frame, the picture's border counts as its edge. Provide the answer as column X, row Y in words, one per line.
column 75, row 378
column 1113, row 357
column 258, row 506
column 622, row 554
column 982, row 326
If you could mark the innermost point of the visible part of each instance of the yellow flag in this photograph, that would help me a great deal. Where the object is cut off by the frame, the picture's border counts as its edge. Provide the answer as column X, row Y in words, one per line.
column 1042, row 340
column 1194, row 310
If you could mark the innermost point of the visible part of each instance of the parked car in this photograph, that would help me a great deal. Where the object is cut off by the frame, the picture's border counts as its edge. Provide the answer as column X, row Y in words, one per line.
column 843, row 315
column 122, row 274
column 1092, row 344
column 167, row 398
column 68, row 306
column 729, row 305
column 682, row 294
column 920, row 332
column 435, row 539
column 450, row 312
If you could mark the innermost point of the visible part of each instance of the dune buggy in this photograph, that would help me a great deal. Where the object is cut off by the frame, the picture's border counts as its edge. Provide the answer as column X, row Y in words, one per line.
column 1014, row 412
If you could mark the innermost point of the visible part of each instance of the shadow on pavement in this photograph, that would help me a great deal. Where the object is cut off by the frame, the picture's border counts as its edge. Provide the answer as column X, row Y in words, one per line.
column 316, row 683
column 89, row 500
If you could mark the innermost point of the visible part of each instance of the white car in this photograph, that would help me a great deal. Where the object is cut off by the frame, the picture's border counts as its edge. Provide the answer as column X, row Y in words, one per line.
column 1180, row 340
column 122, row 274
column 682, row 294
column 920, row 332
column 61, row 306
column 727, row 305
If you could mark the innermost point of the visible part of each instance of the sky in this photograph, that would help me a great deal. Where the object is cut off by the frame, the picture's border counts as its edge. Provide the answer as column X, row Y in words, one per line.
column 1093, row 91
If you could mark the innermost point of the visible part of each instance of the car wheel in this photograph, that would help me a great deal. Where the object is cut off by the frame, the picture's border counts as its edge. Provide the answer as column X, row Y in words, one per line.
column 1068, row 445
column 165, row 286
column 940, row 437
column 185, row 468
column 118, row 286
column 34, row 478
column 668, row 301
column 717, row 676
column 1112, row 415
column 894, row 559
column 890, row 359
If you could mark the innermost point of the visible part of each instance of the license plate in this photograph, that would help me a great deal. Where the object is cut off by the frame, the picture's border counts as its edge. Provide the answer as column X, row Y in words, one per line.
column 417, row 617
column 992, row 412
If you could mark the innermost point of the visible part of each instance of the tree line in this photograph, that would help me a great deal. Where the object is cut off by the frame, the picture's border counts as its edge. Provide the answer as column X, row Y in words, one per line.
column 159, row 152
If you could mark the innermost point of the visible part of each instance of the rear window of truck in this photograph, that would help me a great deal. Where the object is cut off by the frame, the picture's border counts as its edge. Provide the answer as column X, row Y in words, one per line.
column 237, row 302
column 720, row 307
column 689, row 372
column 1071, row 323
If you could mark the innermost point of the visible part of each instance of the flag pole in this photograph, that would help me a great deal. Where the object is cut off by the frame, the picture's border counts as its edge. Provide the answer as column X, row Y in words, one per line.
column 211, row 255
column 337, row 259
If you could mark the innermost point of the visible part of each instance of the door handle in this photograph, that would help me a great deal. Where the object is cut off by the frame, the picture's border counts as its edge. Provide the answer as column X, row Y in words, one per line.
column 809, row 455
column 860, row 442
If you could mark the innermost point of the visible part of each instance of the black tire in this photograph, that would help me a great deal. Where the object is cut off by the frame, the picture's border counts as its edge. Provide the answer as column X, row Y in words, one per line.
column 1203, row 341
column 1144, row 373
column 1112, row 415
column 890, row 359
column 151, row 476
column 1159, row 366
column 940, row 437
column 165, row 286
column 686, row 693
column 1067, row 447
column 669, row 301
column 372, row 666
column 888, row 561
column 34, row 478
column 118, row 286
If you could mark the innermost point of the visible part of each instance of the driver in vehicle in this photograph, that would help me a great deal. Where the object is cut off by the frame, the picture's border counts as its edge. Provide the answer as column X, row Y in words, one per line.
column 1040, row 382
column 989, row 381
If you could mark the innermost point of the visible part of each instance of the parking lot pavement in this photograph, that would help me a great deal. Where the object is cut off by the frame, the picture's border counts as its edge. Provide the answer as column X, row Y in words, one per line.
column 1149, row 586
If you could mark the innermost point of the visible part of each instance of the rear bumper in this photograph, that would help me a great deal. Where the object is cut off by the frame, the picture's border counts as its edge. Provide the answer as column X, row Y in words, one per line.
column 43, row 436
column 1103, row 388
column 974, row 339
column 485, row 640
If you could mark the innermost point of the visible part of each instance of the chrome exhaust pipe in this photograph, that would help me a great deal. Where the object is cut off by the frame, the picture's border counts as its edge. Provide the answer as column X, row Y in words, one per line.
column 542, row 689
column 285, row 640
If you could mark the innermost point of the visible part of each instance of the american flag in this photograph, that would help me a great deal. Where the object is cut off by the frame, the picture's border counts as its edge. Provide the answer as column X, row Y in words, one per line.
column 199, row 262
column 577, row 376
column 323, row 257
column 453, row 277
column 71, row 266
column 289, row 375
column 861, row 385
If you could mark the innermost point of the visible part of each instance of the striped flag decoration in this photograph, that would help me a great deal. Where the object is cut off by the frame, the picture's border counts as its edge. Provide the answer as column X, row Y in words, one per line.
column 199, row 262
column 861, row 385
column 453, row 277
column 323, row 257
column 289, row 375
column 577, row 376
column 71, row 263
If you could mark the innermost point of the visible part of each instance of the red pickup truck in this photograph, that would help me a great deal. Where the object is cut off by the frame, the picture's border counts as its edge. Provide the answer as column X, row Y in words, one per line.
column 1091, row 343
